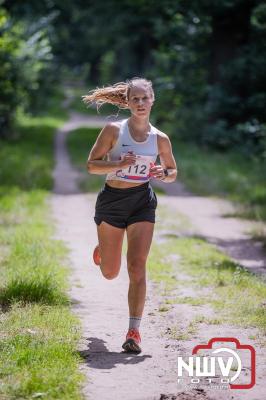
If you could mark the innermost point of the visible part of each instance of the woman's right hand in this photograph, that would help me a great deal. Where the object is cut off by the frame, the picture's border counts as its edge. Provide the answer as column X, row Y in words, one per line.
column 128, row 159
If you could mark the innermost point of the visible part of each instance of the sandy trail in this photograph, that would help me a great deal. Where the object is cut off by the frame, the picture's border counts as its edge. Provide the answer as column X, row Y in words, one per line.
column 102, row 305
column 207, row 214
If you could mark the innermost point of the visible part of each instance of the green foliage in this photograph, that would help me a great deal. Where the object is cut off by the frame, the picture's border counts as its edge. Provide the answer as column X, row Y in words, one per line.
column 39, row 334
column 27, row 160
column 236, row 175
column 37, row 353
column 32, row 291
column 206, row 59
column 10, row 95
column 25, row 57
column 80, row 143
column 107, row 67
column 209, row 75
column 31, row 272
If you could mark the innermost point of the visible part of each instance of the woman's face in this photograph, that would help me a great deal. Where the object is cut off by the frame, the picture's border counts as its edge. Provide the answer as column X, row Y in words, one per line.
column 140, row 101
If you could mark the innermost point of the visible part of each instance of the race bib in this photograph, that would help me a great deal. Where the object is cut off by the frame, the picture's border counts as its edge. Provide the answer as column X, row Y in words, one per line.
column 138, row 172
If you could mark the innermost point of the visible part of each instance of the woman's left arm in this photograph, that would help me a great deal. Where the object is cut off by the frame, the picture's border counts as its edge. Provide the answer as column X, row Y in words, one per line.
column 167, row 170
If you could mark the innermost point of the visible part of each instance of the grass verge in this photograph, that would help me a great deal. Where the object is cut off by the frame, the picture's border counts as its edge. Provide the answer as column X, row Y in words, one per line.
column 190, row 271
column 80, row 142
column 230, row 174
column 237, row 295
column 39, row 334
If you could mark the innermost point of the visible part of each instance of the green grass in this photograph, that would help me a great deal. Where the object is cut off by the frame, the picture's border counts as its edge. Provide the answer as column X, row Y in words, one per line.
column 194, row 301
column 259, row 233
column 160, row 269
column 53, row 106
column 80, row 142
column 230, row 174
column 31, row 270
column 172, row 223
column 236, row 294
column 39, row 334
column 178, row 333
column 163, row 308
column 36, row 353
column 178, row 262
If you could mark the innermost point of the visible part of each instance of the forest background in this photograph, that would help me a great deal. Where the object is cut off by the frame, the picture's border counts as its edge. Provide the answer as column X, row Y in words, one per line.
column 206, row 60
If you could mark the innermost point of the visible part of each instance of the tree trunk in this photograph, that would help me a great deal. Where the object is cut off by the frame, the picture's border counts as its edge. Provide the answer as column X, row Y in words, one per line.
column 94, row 74
column 230, row 31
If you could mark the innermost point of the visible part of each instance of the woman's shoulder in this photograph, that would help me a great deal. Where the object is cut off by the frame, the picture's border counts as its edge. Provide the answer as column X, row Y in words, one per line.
column 116, row 124
column 161, row 136
column 163, row 141
column 110, row 132
column 113, row 127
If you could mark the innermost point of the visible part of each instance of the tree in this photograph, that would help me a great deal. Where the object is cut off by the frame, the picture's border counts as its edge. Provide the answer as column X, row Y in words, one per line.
column 24, row 54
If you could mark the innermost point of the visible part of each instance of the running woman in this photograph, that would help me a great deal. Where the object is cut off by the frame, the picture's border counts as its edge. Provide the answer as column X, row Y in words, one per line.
column 127, row 151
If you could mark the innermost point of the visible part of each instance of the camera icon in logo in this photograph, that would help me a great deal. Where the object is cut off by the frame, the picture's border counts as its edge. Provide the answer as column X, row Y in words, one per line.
column 234, row 355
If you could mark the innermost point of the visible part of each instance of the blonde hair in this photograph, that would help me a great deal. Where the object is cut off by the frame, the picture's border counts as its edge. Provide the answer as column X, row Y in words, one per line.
column 116, row 94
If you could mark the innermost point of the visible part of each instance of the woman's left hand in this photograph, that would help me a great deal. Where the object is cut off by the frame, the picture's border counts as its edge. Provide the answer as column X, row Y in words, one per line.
column 157, row 172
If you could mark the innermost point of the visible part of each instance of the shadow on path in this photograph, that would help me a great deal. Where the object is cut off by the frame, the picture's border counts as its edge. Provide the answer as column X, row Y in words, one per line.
column 99, row 357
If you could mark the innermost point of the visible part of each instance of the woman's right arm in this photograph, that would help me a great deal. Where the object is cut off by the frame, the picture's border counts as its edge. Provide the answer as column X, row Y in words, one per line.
column 105, row 141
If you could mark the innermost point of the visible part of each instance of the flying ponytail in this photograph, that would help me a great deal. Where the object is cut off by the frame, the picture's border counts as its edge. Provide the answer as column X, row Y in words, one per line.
column 116, row 94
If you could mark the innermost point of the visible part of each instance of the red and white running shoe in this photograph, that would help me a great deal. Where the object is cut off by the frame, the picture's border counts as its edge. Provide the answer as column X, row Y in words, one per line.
column 96, row 255
column 132, row 343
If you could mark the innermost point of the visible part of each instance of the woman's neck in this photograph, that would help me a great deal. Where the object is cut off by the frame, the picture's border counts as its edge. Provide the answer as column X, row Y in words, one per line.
column 139, row 125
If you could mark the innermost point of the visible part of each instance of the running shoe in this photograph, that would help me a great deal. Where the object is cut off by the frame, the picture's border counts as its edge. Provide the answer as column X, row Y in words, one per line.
column 132, row 343
column 96, row 255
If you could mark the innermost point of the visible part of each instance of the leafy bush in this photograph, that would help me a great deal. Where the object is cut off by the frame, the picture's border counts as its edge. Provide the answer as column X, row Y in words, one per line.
column 25, row 54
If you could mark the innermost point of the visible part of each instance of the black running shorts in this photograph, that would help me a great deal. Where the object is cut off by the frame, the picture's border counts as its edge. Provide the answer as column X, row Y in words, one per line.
column 122, row 207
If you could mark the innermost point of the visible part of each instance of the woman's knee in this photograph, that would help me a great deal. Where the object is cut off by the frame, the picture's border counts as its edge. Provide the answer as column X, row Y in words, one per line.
column 110, row 271
column 110, row 275
column 137, row 270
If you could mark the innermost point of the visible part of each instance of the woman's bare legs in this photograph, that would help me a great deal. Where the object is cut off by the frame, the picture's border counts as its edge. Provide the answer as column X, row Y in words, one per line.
column 139, row 237
column 110, row 242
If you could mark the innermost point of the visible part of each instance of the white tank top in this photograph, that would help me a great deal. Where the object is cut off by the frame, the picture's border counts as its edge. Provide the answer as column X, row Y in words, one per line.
column 146, row 153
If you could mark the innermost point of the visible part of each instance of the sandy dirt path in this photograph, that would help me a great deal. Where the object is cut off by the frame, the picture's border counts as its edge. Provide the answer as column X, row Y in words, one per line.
column 102, row 305
column 209, row 216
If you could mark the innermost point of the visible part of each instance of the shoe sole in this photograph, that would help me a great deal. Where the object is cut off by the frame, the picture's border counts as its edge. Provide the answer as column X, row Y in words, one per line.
column 130, row 346
column 96, row 257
